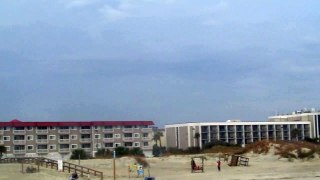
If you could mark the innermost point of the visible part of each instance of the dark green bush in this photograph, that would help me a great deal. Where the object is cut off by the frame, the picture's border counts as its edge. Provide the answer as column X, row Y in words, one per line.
column 75, row 154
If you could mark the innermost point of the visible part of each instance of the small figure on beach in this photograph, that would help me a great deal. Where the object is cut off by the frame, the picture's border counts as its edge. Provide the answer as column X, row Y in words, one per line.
column 74, row 176
column 219, row 164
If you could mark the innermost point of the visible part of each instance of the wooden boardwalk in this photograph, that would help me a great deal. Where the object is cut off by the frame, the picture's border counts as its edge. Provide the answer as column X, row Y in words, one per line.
column 53, row 164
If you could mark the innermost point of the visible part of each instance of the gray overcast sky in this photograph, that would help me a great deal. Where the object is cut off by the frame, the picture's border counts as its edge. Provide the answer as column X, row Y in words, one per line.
column 168, row 61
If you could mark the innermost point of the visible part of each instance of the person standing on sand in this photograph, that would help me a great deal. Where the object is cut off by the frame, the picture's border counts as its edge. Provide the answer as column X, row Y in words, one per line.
column 219, row 164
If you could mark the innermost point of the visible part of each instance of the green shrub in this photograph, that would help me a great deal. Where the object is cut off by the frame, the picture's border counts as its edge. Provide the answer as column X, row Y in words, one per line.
column 136, row 151
column 121, row 151
column 79, row 152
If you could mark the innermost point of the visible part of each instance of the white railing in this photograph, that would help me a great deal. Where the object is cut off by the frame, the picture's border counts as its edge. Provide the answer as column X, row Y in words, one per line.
column 64, row 150
column 42, row 140
column 85, row 140
column 19, row 151
column 42, row 131
column 64, row 140
column 127, row 129
column 108, row 130
column 19, row 141
column 19, row 132
column 146, row 138
column 108, row 140
column 64, row 130
column 85, row 131
column 128, row 138
column 146, row 129
column 42, row 150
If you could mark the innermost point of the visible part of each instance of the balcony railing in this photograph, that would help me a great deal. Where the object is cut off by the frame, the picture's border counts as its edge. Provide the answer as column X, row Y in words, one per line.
column 19, row 151
column 42, row 150
column 146, row 138
column 85, row 131
column 127, row 130
column 108, row 140
column 108, row 130
column 66, row 131
column 64, row 150
column 19, row 131
column 19, row 141
column 85, row 140
column 128, row 139
column 64, row 140
column 42, row 131
column 42, row 140
column 146, row 129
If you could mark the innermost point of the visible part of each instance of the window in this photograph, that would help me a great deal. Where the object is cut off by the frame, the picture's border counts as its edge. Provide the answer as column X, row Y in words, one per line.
column 6, row 138
column 30, row 137
column 52, row 137
column 145, row 143
column 136, row 144
column 127, row 127
column 108, row 127
column 52, row 147
column 73, row 128
column 128, row 135
column 6, row 128
column 108, row 136
column 74, row 137
column 97, row 136
column 117, row 144
column 136, row 135
column 74, row 146
column 117, row 127
column 30, row 147
column 96, row 127
column 98, row 145
column 108, row 145
column 128, row 144
column 145, row 135
column 52, row 128
column 117, row 136
column 29, row 128
column 136, row 127
column 8, row 148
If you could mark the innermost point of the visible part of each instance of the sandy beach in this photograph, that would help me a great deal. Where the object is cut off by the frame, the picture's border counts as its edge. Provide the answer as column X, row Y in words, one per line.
column 177, row 167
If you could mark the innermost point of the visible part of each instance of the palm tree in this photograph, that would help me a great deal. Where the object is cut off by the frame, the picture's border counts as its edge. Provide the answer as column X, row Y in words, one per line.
column 3, row 149
column 295, row 133
column 157, row 137
column 197, row 137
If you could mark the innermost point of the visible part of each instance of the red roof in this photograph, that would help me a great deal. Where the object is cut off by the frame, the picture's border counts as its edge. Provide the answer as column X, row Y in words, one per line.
column 16, row 123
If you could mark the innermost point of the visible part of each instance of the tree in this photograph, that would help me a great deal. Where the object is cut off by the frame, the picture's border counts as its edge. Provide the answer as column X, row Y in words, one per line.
column 157, row 137
column 3, row 149
column 295, row 133
column 197, row 137
column 79, row 154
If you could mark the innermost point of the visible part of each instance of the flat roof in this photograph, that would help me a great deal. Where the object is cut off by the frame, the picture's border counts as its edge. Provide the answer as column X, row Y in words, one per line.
column 18, row 123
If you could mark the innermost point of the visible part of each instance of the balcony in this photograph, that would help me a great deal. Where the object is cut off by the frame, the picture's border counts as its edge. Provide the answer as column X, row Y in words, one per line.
column 64, row 150
column 147, row 147
column 42, row 131
column 128, row 139
column 146, row 138
column 85, row 131
column 107, row 130
column 87, row 149
column 19, row 151
column 1, row 132
column 64, row 141
column 127, row 129
column 108, row 140
column 42, row 150
column 146, row 129
column 19, row 141
column 64, row 131
column 19, row 131
column 42, row 141
column 1, row 142
column 85, row 140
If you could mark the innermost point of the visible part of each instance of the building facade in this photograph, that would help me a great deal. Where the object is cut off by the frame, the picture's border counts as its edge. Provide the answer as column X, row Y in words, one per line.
column 58, row 139
column 280, row 127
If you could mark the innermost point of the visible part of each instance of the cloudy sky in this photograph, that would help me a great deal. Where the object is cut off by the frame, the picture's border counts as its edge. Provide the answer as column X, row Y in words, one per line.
column 168, row 61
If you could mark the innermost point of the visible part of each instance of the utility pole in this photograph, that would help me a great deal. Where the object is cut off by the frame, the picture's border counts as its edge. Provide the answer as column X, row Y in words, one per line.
column 114, row 165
